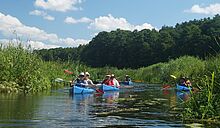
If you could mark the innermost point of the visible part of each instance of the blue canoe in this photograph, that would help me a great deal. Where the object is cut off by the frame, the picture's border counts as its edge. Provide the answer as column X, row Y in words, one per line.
column 182, row 88
column 108, row 88
column 81, row 90
column 126, row 82
column 183, row 95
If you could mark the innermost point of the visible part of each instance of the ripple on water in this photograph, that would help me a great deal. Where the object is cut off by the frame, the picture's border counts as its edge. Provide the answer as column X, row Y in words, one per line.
column 140, row 106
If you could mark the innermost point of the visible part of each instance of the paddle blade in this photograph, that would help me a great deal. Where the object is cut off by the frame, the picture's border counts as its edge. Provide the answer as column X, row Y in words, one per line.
column 173, row 76
column 99, row 91
column 68, row 72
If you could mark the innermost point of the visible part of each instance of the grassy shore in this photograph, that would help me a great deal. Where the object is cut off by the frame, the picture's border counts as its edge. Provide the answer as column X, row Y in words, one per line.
column 23, row 71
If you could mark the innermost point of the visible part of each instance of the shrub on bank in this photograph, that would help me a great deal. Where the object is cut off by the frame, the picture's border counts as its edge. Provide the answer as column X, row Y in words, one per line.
column 21, row 70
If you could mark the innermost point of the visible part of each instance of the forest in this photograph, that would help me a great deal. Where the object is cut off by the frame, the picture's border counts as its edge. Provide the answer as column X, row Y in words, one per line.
column 135, row 49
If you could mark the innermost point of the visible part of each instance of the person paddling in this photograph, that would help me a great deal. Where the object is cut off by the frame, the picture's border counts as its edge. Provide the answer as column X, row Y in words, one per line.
column 89, row 81
column 185, row 82
column 115, row 81
column 188, row 83
column 80, row 81
column 107, row 80
column 127, row 78
column 87, row 78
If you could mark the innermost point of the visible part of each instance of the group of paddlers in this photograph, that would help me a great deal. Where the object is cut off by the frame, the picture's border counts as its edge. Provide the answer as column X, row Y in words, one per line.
column 83, row 80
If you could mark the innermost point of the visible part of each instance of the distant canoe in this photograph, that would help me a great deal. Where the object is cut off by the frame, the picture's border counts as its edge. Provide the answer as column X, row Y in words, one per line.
column 126, row 82
column 81, row 90
column 183, row 88
column 108, row 88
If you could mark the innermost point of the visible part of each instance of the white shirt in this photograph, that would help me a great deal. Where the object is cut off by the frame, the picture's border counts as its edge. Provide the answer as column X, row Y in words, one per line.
column 116, row 83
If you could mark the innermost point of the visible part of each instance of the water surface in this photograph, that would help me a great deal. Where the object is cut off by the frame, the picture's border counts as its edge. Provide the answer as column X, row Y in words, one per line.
column 139, row 106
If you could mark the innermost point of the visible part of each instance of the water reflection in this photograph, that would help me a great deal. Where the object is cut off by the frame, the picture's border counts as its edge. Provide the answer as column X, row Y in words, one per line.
column 111, row 97
column 18, row 109
column 143, row 105
column 81, row 102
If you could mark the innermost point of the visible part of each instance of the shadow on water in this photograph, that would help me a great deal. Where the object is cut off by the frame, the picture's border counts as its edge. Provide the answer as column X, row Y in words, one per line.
column 136, row 106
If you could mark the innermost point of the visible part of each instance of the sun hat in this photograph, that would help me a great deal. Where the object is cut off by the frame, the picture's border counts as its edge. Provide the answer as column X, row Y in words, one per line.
column 87, row 73
column 107, row 75
column 81, row 74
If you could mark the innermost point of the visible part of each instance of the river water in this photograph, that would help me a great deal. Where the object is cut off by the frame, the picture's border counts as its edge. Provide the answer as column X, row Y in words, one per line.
column 139, row 105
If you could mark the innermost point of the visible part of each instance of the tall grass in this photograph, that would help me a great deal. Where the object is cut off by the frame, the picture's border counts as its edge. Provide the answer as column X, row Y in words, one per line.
column 160, row 73
column 21, row 70
column 205, row 104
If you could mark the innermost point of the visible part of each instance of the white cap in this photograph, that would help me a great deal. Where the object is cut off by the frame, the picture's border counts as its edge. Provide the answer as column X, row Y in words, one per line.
column 81, row 74
column 108, row 75
column 87, row 74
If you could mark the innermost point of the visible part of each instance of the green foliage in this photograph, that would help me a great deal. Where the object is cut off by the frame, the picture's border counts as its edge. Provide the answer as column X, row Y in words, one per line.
column 151, row 74
column 22, row 70
column 60, row 54
column 135, row 49
column 160, row 73
column 185, row 66
column 205, row 104
column 146, row 47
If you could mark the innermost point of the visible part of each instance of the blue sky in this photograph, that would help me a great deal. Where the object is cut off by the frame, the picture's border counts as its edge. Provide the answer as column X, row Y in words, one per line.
column 68, row 23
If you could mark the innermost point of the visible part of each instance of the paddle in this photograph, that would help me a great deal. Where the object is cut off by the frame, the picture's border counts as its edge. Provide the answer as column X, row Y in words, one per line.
column 97, row 89
column 68, row 72
column 173, row 76
column 166, row 86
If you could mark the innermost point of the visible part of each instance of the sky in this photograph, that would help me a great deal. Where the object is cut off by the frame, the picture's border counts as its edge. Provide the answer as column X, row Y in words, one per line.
column 69, row 23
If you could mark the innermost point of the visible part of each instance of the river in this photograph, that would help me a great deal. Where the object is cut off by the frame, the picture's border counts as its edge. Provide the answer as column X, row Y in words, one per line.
column 139, row 105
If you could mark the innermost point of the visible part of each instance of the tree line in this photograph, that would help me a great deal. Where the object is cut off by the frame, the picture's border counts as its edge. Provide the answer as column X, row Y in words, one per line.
column 134, row 49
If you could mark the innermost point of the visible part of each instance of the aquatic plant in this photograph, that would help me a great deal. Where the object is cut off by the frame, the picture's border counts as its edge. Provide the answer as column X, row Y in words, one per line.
column 205, row 104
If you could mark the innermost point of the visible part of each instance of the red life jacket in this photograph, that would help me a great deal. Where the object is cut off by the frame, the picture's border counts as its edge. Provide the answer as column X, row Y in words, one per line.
column 108, row 82
column 105, row 82
column 111, row 83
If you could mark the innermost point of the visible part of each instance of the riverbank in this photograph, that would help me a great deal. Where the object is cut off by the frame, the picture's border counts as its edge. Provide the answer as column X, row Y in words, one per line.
column 23, row 71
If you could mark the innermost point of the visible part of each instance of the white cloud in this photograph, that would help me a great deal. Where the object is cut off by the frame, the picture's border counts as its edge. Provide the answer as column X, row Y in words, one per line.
column 10, row 25
column 43, row 14
column 38, row 13
column 33, row 44
column 212, row 9
column 40, row 45
column 108, row 23
column 49, row 18
column 58, row 5
column 71, row 20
